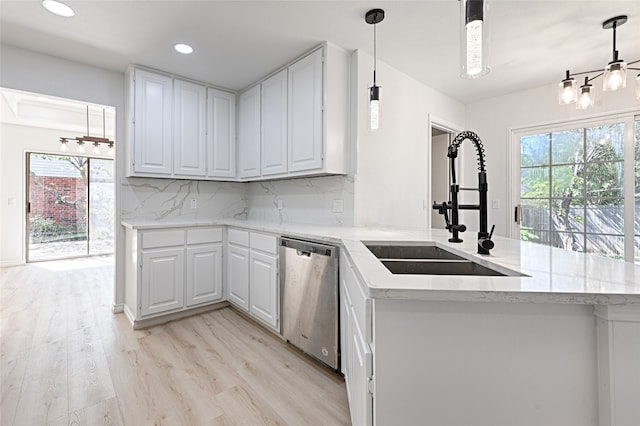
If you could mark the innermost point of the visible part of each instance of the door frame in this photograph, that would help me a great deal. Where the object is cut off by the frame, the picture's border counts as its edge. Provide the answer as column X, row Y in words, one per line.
column 448, row 127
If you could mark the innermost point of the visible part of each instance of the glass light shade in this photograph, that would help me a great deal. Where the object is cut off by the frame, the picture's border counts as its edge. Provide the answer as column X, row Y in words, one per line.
column 96, row 148
column 474, row 48
column 567, row 91
column 374, row 107
column 585, row 98
column 615, row 76
column 80, row 149
column 58, row 8
column 64, row 147
column 111, row 150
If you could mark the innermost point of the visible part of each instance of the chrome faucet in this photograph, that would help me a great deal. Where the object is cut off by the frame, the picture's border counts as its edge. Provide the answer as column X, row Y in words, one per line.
column 484, row 238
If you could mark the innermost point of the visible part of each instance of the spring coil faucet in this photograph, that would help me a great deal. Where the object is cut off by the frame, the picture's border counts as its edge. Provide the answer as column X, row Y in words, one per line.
column 484, row 238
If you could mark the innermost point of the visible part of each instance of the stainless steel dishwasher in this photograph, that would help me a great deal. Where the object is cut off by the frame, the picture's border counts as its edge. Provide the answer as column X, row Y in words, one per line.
column 309, row 291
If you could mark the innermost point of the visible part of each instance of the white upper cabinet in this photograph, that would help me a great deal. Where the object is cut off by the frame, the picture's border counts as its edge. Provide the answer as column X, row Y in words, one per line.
column 305, row 113
column 221, row 134
column 249, row 133
column 189, row 131
column 274, row 124
column 304, row 126
column 150, row 117
column 179, row 128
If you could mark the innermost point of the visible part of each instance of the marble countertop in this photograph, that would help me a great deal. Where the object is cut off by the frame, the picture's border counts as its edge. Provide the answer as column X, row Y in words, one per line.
column 553, row 275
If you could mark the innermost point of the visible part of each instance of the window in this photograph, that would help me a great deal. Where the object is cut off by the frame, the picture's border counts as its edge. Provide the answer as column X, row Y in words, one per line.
column 572, row 188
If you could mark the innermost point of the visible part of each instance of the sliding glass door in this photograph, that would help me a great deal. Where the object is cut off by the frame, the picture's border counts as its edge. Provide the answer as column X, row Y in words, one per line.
column 70, row 206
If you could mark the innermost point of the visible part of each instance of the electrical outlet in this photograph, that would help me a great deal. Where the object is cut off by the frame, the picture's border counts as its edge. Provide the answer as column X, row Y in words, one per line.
column 194, row 203
column 338, row 206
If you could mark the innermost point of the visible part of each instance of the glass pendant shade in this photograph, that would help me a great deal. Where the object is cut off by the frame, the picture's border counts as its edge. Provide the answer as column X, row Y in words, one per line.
column 374, row 107
column 80, row 149
column 111, row 149
column 567, row 90
column 615, row 76
column 474, row 46
column 63, row 146
column 585, row 98
column 96, row 148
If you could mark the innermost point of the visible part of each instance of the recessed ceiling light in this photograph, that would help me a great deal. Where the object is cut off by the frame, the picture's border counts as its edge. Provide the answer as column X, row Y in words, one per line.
column 58, row 8
column 183, row 48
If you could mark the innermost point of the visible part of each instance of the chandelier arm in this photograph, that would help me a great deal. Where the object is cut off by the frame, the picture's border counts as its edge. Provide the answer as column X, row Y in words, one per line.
column 586, row 72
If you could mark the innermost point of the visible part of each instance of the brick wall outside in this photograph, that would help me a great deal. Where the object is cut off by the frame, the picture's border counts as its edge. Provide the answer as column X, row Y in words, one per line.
column 44, row 204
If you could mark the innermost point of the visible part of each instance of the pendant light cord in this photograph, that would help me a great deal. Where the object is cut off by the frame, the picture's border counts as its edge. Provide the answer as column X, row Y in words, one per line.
column 374, row 53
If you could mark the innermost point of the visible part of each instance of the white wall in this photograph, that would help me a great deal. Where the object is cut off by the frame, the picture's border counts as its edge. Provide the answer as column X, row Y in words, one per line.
column 16, row 141
column 493, row 118
column 393, row 163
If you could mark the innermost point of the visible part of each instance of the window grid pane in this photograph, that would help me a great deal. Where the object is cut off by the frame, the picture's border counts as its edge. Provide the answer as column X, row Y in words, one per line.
column 572, row 189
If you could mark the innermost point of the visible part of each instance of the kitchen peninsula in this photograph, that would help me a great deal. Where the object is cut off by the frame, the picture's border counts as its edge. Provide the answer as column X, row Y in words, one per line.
column 558, row 346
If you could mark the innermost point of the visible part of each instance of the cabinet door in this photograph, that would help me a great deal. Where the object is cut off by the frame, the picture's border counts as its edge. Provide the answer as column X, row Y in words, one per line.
column 162, row 287
column 249, row 133
column 263, row 290
column 153, row 105
column 189, row 157
column 204, row 274
column 305, row 113
column 360, row 369
column 238, row 276
column 274, row 124
column 221, row 134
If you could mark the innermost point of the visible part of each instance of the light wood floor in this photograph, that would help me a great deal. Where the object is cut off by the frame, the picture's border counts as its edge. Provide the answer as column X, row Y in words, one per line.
column 66, row 359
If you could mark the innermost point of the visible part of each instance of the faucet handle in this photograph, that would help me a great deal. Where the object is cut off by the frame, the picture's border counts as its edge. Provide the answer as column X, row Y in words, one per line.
column 492, row 228
column 459, row 228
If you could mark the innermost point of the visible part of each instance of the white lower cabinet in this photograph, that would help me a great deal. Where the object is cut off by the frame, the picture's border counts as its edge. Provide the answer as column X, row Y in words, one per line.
column 204, row 274
column 171, row 270
column 263, row 291
column 356, row 352
column 162, row 280
column 252, row 275
column 238, row 276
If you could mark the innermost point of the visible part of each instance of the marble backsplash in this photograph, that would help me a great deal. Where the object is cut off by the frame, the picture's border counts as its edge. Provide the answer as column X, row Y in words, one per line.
column 303, row 200
column 160, row 199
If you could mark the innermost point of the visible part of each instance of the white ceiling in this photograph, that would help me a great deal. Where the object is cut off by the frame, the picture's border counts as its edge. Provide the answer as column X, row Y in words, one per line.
column 237, row 42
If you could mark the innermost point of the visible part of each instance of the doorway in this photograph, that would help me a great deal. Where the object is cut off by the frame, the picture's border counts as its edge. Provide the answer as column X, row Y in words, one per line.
column 440, row 178
column 70, row 206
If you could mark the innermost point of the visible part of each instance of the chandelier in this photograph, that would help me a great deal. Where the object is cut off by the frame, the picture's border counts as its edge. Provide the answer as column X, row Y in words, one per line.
column 614, row 75
column 93, row 140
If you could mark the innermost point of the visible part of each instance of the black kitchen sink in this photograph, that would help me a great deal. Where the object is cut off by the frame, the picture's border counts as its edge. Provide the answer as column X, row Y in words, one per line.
column 430, row 267
column 429, row 259
column 411, row 252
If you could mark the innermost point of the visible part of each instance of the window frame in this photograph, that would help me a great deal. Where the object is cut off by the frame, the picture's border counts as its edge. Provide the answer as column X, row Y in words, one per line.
column 628, row 117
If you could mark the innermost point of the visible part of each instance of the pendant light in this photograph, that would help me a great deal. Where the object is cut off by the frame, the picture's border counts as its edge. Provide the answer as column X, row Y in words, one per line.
column 474, row 47
column 96, row 141
column 374, row 17
column 614, row 75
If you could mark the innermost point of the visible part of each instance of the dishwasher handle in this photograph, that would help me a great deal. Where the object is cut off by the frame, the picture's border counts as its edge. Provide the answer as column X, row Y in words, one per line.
column 307, row 248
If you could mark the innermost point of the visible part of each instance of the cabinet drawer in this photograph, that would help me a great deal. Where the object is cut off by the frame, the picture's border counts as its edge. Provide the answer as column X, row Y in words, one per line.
column 239, row 237
column 360, row 303
column 262, row 242
column 204, row 235
column 151, row 239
